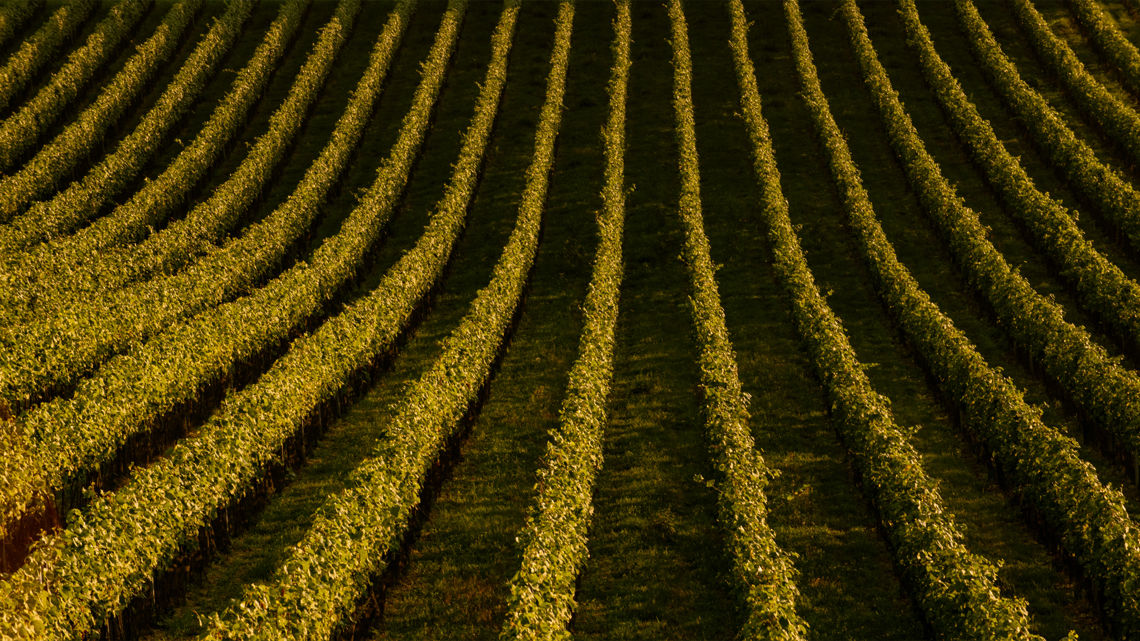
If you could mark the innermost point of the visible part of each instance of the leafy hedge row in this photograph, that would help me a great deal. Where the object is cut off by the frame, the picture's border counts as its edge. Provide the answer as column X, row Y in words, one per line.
column 69, row 437
column 1101, row 286
column 357, row 530
column 15, row 15
column 58, row 272
column 209, row 220
column 1107, row 38
column 109, row 553
column 82, row 199
column 53, row 164
column 91, row 329
column 1043, row 466
column 1106, row 391
column 1094, row 181
column 1114, row 117
column 554, row 539
column 39, row 48
column 956, row 589
column 763, row 572
column 49, row 354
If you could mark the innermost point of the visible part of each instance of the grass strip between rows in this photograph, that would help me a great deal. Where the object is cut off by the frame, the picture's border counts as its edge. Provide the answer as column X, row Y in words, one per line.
column 56, row 273
column 53, row 164
column 1107, row 392
column 110, row 553
column 357, row 530
column 555, row 536
column 1115, row 118
column 1107, row 38
column 62, row 441
column 1040, row 464
column 956, row 589
column 82, row 199
column 39, row 48
column 763, row 572
column 1102, row 186
column 15, row 15
column 1101, row 286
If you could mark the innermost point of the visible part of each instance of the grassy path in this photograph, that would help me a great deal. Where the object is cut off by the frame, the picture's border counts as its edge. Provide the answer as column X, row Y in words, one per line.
column 817, row 509
column 456, row 579
column 653, row 519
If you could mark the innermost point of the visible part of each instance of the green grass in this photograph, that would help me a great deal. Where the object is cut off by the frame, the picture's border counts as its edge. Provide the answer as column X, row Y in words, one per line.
column 455, row 582
column 657, row 568
column 817, row 510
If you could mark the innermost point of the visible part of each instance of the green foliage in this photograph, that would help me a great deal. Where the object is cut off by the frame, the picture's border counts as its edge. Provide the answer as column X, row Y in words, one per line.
column 53, row 163
column 52, row 274
column 763, row 571
column 1088, row 518
column 66, row 437
column 1108, row 39
column 1102, row 287
column 44, row 355
column 357, row 529
column 956, row 589
column 1106, row 391
column 39, row 48
column 15, row 15
column 1094, row 181
column 83, row 198
column 110, row 552
column 1114, row 117
column 554, row 539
